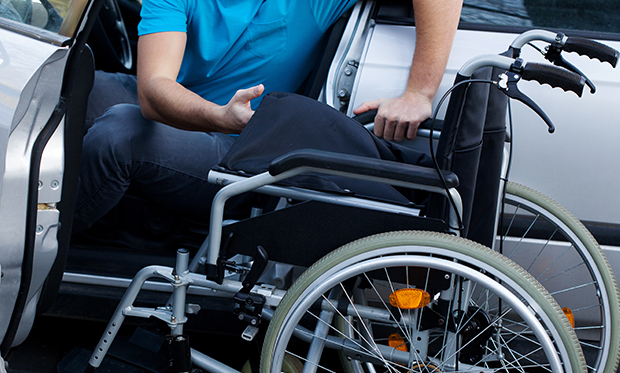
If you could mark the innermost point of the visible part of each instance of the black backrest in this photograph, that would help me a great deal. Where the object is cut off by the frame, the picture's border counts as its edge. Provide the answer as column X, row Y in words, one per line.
column 471, row 146
column 482, row 220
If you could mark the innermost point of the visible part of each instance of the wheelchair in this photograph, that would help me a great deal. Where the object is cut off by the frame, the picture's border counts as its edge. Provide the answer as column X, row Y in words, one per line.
column 391, row 286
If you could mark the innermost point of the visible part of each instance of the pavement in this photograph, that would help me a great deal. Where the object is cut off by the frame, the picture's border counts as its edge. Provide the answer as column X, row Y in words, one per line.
column 61, row 345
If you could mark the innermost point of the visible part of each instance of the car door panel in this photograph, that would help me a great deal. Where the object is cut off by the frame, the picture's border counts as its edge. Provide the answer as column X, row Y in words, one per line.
column 36, row 83
column 37, row 96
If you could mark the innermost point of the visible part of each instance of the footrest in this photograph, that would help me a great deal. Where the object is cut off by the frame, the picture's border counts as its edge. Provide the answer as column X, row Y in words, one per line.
column 143, row 352
column 77, row 362
column 144, row 349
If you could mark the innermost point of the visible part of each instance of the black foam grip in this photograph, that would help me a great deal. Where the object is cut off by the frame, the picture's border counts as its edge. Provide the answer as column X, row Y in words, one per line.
column 592, row 49
column 554, row 76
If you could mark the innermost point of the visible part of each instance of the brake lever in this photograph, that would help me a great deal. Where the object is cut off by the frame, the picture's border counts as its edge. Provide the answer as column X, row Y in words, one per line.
column 554, row 55
column 508, row 84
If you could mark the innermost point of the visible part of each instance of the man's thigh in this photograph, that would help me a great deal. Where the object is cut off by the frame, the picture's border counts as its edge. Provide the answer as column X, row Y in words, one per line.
column 166, row 165
column 110, row 89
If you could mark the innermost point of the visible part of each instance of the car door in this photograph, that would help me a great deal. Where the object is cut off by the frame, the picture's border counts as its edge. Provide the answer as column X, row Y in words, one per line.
column 46, row 72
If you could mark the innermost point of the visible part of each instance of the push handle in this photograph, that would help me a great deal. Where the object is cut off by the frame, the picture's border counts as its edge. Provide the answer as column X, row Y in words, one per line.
column 554, row 76
column 592, row 49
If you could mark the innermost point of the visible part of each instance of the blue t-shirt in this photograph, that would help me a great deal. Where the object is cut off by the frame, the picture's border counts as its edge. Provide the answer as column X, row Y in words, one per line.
column 236, row 44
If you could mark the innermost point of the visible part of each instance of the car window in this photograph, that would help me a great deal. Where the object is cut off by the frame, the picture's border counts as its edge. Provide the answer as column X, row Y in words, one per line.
column 581, row 15
column 57, row 16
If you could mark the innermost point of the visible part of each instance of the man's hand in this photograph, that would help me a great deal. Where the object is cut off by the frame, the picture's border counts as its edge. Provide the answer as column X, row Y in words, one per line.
column 436, row 23
column 398, row 118
column 238, row 111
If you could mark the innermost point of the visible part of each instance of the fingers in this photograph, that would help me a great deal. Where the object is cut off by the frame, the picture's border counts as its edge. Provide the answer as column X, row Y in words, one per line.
column 248, row 94
column 394, row 129
column 412, row 131
column 368, row 105
column 258, row 90
column 398, row 118
column 400, row 130
column 238, row 111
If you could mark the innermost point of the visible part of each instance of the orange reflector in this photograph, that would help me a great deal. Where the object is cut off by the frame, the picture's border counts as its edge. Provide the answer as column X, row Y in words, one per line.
column 408, row 299
column 421, row 367
column 397, row 342
column 569, row 315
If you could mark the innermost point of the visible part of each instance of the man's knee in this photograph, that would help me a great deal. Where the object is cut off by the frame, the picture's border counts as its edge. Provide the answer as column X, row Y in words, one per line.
column 114, row 132
column 110, row 89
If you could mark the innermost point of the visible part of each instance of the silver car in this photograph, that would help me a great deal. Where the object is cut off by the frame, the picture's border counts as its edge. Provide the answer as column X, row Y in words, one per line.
column 46, row 72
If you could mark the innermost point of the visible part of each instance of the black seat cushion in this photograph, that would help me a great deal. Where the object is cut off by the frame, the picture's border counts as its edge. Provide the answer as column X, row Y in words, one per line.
column 286, row 122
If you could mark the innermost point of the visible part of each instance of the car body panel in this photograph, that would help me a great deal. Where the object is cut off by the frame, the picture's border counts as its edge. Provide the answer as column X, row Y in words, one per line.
column 32, row 73
column 22, row 58
column 31, row 82
column 564, row 165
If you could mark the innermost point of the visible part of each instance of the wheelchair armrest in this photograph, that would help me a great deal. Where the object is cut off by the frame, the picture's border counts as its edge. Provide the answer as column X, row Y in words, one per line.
column 363, row 166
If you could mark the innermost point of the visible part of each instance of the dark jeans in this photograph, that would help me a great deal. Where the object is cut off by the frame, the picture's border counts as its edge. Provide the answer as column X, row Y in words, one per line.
column 110, row 89
column 164, row 164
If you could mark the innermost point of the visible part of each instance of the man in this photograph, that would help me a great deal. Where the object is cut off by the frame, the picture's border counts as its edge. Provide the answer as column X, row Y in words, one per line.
column 202, row 64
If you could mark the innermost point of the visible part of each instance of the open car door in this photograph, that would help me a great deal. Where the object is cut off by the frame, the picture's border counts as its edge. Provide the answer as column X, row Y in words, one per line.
column 46, row 73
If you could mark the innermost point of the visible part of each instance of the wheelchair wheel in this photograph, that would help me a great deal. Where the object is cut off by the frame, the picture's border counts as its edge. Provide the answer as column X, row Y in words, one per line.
column 420, row 301
column 552, row 245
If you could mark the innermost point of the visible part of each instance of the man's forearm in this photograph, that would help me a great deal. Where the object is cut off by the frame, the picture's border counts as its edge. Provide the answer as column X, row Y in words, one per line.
column 166, row 101
column 436, row 24
column 161, row 98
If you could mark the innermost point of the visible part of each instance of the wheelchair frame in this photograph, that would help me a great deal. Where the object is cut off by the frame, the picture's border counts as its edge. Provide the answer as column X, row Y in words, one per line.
column 288, row 166
column 181, row 277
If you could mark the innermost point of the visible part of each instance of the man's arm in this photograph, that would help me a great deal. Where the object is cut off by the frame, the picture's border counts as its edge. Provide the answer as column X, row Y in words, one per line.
column 164, row 100
column 436, row 24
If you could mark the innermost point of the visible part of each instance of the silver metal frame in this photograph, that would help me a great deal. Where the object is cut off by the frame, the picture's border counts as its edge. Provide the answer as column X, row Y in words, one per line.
column 181, row 277
column 263, row 183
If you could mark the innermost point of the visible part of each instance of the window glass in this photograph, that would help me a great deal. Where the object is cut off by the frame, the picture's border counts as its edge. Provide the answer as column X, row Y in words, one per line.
column 583, row 15
column 58, row 16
